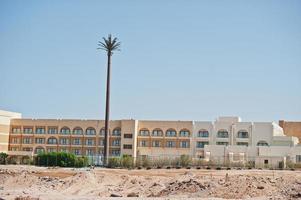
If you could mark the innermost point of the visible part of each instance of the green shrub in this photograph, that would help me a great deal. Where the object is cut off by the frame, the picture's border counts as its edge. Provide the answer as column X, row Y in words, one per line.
column 185, row 160
column 127, row 161
column 61, row 159
column 114, row 162
column 3, row 157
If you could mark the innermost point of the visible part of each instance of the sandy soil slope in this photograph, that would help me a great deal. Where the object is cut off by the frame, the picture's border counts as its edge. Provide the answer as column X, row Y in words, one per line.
column 29, row 182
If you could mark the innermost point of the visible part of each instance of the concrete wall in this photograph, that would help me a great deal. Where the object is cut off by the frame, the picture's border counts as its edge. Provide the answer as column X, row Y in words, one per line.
column 5, row 118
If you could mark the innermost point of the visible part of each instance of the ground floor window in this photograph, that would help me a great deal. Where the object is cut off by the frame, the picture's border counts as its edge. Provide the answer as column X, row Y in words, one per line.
column 242, row 144
column 201, row 144
column 222, row 143
column 298, row 158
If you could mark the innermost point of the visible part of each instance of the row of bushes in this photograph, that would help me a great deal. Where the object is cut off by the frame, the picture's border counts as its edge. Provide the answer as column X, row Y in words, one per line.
column 61, row 159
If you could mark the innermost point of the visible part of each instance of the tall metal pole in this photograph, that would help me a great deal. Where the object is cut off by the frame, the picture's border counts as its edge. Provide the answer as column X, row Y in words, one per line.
column 107, row 115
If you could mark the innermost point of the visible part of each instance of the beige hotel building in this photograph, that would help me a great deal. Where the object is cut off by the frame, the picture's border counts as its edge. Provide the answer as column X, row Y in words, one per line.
column 227, row 137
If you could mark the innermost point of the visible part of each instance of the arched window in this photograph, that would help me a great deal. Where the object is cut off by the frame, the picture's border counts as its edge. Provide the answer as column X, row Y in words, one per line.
column 242, row 134
column 52, row 140
column 144, row 132
column 157, row 132
column 77, row 131
column 90, row 131
column 262, row 143
column 116, row 132
column 102, row 132
column 39, row 150
column 222, row 134
column 184, row 133
column 65, row 131
column 171, row 133
column 203, row 133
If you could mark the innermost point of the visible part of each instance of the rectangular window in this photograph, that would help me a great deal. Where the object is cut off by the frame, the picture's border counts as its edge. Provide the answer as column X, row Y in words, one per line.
column 89, row 152
column 143, row 143
column 27, row 130
column 128, row 135
column 90, row 142
column 15, row 140
column 222, row 143
column 76, row 151
column 170, row 144
column 16, row 129
column 27, row 149
column 40, row 130
column 201, row 144
column 116, row 143
column 52, row 130
column 184, row 144
column 242, row 144
column 101, row 142
column 127, row 146
column 115, row 152
column 64, row 141
column 51, row 150
column 156, row 144
column 40, row 140
column 27, row 141
column 77, row 141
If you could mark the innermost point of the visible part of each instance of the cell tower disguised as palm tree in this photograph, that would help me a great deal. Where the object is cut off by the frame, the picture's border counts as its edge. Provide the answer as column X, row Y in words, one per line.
column 109, row 45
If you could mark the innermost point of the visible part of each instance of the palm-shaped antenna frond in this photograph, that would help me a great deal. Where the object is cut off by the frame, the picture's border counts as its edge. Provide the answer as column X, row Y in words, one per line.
column 109, row 44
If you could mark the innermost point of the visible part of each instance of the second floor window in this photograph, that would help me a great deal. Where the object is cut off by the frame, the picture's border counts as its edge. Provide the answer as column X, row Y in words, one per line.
column 27, row 130
column 127, row 146
column 14, row 140
column 52, row 130
column 40, row 130
column 64, row 141
column 52, row 141
column 40, row 140
column 76, row 141
column 203, row 133
column 90, row 142
column 27, row 141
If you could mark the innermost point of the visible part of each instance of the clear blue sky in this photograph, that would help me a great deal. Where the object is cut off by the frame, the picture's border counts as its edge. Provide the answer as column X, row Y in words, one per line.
column 180, row 60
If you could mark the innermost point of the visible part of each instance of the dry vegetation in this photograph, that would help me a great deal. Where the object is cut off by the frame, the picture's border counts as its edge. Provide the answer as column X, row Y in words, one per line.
column 29, row 182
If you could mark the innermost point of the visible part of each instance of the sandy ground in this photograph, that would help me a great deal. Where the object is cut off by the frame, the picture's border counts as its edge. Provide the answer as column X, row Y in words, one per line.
column 29, row 182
